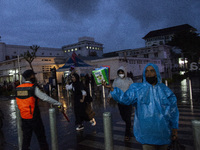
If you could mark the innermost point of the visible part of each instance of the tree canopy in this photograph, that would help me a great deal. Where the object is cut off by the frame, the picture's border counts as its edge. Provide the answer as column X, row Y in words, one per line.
column 30, row 56
column 189, row 43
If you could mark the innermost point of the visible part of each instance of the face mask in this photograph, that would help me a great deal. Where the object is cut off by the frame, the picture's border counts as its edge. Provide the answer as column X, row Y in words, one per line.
column 151, row 80
column 33, row 80
column 121, row 75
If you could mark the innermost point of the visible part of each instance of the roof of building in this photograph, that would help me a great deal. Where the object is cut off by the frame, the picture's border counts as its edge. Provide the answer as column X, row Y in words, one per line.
column 170, row 30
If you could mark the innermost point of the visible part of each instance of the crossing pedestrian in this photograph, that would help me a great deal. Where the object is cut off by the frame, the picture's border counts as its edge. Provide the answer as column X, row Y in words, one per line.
column 80, row 102
column 123, row 82
column 27, row 98
column 156, row 113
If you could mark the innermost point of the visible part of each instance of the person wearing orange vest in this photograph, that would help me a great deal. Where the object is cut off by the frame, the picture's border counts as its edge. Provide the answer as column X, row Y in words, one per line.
column 27, row 98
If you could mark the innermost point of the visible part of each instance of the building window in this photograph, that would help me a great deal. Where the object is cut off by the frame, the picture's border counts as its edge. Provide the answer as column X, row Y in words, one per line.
column 46, row 68
column 76, row 49
column 155, row 54
column 146, row 55
column 50, row 53
column 86, row 47
column 46, row 59
column 68, row 50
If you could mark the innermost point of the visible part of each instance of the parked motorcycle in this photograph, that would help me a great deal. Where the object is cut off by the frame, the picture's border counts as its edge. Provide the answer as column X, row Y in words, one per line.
column 1, row 119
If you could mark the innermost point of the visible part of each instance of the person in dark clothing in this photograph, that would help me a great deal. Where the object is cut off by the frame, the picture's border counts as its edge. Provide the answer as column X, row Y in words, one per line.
column 87, row 80
column 79, row 94
column 27, row 98
column 92, row 80
column 123, row 83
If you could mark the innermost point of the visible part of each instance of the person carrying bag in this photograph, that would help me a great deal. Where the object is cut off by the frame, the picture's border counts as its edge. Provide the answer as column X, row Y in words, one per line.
column 88, row 109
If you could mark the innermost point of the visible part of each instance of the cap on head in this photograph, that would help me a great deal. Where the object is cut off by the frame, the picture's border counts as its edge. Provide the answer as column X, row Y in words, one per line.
column 28, row 73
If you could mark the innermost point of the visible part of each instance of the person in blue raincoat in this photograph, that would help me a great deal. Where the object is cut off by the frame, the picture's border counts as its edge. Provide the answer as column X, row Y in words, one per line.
column 156, row 113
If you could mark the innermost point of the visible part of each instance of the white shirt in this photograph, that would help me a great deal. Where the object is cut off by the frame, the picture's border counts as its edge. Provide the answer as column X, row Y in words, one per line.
column 70, row 87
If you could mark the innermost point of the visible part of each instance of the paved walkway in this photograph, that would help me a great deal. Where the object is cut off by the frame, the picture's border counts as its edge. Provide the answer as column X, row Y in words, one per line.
column 92, row 138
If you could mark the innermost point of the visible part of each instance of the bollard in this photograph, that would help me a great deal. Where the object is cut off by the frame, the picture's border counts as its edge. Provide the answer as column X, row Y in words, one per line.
column 19, row 126
column 196, row 133
column 108, row 137
column 190, row 87
column 103, row 90
column 104, row 97
column 52, row 119
column 166, row 83
column 58, row 91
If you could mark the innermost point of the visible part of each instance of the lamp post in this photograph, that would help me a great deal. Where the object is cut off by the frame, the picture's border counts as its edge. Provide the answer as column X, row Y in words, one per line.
column 19, row 72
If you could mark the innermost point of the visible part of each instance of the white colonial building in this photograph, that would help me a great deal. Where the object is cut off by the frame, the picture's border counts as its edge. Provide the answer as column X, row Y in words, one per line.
column 91, row 52
column 131, row 64
column 162, row 36
column 86, row 46
column 11, row 62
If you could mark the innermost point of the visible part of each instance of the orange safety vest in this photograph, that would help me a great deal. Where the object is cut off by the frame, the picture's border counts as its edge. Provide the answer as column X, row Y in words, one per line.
column 25, row 97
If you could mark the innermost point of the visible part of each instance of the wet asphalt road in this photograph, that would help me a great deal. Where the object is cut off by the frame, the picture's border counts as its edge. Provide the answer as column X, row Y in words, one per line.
column 92, row 137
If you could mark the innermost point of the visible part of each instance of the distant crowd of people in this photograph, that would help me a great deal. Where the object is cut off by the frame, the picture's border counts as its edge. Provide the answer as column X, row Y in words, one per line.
column 8, row 87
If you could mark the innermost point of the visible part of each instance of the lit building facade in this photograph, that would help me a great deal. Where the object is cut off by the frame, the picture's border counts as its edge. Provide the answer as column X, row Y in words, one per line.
column 131, row 64
column 86, row 46
column 12, row 65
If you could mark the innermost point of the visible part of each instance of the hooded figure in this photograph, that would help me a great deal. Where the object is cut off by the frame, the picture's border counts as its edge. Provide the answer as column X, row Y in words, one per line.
column 123, row 83
column 156, row 113
column 79, row 94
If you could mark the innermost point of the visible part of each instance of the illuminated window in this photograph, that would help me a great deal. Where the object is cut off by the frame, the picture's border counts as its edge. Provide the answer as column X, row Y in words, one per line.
column 76, row 49
column 65, row 51
column 72, row 49
column 68, row 50
column 96, row 48
column 90, row 47
column 86, row 47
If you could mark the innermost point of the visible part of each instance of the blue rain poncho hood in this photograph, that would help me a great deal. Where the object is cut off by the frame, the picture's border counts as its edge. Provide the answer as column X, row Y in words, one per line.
column 156, row 112
column 157, row 72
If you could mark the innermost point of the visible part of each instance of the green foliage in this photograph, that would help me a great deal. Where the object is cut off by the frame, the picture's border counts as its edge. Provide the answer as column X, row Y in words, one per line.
column 189, row 43
column 175, row 78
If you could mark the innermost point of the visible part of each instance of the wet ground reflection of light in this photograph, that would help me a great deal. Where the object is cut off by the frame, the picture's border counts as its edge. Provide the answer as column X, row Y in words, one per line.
column 12, row 113
column 185, row 88
column 184, row 85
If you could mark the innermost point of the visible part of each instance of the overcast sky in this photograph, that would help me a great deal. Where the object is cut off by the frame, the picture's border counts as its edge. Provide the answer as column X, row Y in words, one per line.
column 118, row 24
